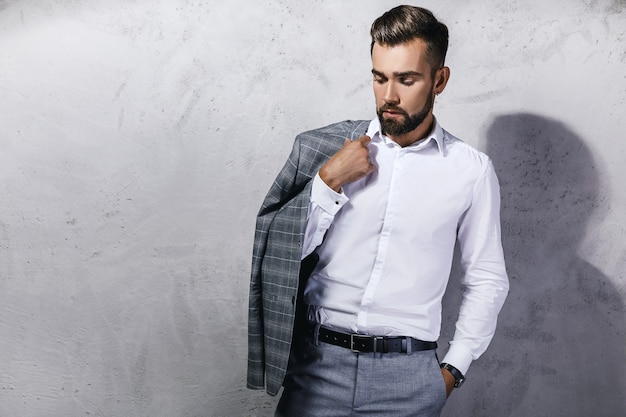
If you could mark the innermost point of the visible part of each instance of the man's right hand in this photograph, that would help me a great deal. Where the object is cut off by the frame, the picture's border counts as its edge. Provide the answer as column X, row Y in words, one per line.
column 352, row 162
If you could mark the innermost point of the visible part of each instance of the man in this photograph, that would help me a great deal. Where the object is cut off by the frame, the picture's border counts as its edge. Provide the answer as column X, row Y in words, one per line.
column 357, row 234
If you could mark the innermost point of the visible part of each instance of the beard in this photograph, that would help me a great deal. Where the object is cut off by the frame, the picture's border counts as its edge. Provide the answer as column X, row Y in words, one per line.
column 392, row 127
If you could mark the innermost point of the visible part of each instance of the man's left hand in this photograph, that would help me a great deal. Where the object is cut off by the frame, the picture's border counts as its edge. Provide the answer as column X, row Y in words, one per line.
column 449, row 380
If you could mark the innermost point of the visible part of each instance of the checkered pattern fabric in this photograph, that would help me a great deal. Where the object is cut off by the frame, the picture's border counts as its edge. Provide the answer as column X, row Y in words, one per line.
column 277, row 252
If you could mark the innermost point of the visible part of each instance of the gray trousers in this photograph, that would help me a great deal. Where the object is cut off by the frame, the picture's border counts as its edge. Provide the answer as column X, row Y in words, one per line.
column 330, row 381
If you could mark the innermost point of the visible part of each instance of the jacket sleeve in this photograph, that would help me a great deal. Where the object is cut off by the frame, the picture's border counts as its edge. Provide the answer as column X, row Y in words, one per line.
column 282, row 190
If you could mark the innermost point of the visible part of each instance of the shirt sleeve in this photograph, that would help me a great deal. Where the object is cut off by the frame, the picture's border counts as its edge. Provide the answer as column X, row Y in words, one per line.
column 485, row 278
column 324, row 204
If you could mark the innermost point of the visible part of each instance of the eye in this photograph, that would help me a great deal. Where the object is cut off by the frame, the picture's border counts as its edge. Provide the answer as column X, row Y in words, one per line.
column 379, row 80
column 407, row 81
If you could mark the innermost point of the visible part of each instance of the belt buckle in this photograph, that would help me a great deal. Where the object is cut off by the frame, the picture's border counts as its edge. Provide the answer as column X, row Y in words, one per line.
column 374, row 339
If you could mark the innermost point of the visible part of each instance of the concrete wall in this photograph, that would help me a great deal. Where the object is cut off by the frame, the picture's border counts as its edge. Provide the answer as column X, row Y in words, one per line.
column 137, row 139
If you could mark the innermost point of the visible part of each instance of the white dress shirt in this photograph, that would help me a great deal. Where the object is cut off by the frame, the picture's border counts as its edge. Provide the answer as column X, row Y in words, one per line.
column 386, row 244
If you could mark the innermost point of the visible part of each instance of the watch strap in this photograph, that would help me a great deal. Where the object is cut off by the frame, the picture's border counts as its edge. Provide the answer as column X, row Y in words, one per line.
column 459, row 378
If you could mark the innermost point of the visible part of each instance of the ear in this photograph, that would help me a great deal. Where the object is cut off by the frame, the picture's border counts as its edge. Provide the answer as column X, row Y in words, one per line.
column 441, row 79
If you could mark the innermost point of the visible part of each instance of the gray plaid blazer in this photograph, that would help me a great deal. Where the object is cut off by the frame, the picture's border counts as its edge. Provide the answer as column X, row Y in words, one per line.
column 277, row 251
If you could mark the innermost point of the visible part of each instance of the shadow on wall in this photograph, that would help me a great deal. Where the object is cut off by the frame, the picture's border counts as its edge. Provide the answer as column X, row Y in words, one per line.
column 559, row 348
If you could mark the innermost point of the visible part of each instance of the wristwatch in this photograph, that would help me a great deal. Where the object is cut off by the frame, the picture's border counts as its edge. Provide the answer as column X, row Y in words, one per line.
column 459, row 379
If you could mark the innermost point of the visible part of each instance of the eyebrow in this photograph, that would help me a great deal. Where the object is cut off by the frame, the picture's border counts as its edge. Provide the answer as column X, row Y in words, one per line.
column 397, row 74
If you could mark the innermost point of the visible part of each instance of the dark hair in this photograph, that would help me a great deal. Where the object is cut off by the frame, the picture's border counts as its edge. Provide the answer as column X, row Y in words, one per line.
column 404, row 23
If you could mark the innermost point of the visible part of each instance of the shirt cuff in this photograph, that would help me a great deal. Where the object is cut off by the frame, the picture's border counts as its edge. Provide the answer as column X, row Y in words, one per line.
column 325, row 197
column 458, row 356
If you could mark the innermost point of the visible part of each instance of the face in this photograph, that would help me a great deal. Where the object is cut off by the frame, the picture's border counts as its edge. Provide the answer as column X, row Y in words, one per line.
column 405, row 89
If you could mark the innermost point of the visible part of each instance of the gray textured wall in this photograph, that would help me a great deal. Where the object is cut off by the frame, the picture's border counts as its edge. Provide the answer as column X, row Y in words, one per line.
column 137, row 139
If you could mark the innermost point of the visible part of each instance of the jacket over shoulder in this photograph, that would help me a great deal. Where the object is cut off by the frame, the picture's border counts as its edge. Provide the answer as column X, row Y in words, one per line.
column 276, row 258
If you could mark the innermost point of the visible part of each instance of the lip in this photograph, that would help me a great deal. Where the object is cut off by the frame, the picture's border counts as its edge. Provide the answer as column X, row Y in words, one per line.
column 392, row 114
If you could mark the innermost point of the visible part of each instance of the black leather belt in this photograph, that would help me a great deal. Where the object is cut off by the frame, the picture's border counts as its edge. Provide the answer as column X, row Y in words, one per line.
column 365, row 343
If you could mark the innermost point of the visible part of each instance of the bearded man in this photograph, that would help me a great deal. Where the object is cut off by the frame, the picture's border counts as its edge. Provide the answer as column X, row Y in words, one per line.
column 354, row 246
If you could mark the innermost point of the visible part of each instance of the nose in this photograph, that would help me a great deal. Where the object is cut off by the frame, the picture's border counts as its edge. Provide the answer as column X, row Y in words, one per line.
column 390, row 96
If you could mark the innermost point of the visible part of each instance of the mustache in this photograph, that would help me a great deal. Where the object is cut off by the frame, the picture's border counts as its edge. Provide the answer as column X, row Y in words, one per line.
column 392, row 108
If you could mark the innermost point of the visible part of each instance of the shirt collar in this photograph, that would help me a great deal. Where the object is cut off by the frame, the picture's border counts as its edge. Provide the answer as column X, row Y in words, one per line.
column 436, row 135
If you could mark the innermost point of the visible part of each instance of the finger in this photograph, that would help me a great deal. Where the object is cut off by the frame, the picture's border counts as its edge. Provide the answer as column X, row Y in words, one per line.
column 365, row 140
